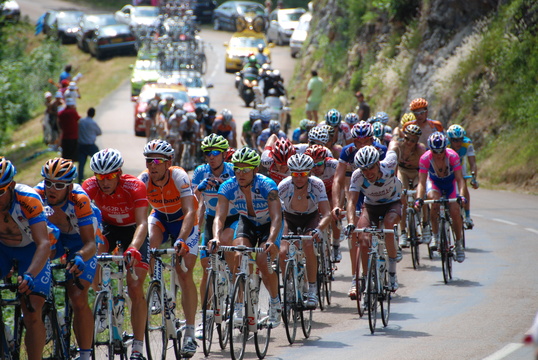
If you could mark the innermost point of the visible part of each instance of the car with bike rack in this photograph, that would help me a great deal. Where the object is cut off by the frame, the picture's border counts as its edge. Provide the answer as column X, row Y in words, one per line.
column 241, row 45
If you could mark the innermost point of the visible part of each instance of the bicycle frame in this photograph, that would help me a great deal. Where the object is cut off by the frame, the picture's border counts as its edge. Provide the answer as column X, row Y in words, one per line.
column 11, row 341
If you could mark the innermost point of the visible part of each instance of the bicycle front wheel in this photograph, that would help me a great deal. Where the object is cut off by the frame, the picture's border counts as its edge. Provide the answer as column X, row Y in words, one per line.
column 384, row 298
column 238, row 326
column 156, row 339
column 54, row 342
column 289, row 313
column 445, row 250
column 262, row 336
column 359, row 284
column 224, row 308
column 208, row 313
column 413, row 238
column 103, row 348
column 371, row 292
column 306, row 322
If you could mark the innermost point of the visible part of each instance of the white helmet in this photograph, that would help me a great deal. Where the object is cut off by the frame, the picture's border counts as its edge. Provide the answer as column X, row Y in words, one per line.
column 366, row 157
column 300, row 162
column 106, row 161
column 159, row 147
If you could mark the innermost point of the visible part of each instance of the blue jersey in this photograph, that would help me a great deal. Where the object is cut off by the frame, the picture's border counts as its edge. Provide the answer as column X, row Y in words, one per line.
column 211, row 194
column 347, row 156
column 260, row 189
column 297, row 134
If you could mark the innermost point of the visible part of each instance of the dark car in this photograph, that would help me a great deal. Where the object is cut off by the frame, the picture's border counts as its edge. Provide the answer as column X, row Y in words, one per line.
column 225, row 16
column 10, row 11
column 107, row 40
column 89, row 23
column 62, row 24
column 203, row 10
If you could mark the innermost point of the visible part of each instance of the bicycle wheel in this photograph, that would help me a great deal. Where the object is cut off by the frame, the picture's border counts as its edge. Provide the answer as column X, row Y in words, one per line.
column 103, row 348
column 359, row 284
column 290, row 305
column 208, row 313
column 384, row 298
column 4, row 344
column 238, row 320
column 54, row 342
column 321, row 276
column 327, row 273
column 413, row 238
column 444, row 250
column 371, row 292
column 156, row 339
column 224, row 301
column 262, row 336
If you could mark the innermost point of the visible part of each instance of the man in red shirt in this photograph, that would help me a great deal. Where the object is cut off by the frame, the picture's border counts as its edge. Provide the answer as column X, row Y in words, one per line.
column 68, row 122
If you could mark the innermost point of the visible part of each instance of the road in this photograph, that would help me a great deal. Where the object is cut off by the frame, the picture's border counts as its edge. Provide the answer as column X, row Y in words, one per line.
column 481, row 314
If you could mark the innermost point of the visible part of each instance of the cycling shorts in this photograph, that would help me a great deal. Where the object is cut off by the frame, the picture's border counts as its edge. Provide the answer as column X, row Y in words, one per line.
column 450, row 190
column 73, row 243
column 373, row 212
column 300, row 224
column 256, row 235
column 23, row 256
column 124, row 235
column 172, row 228
column 230, row 222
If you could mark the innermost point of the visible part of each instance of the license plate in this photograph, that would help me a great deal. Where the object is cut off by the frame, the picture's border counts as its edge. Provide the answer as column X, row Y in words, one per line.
column 116, row 40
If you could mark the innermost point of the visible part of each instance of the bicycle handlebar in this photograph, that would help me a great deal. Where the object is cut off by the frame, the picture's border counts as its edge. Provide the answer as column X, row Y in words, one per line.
column 374, row 230
column 296, row 237
column 109, row 258
column 169, row 251
column 246, row 249
column 442, row 200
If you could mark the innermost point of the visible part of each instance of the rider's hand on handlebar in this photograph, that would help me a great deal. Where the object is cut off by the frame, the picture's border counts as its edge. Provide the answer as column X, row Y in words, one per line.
column 135, row 256
column 316, row 235
column 349, row 229
column 77, row 265
column 474, row 183
column 419, row 203
column 337, row 213
column 26, row 283
column 181, row 247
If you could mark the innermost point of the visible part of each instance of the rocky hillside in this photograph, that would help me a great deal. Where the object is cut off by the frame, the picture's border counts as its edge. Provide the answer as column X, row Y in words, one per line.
column 472, row 60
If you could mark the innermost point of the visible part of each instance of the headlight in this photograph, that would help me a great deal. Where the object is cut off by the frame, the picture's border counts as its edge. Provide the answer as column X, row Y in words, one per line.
column 246, row 82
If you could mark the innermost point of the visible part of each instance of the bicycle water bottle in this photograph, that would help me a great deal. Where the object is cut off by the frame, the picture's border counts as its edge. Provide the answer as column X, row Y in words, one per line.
column 119, row 307
column 381, row 263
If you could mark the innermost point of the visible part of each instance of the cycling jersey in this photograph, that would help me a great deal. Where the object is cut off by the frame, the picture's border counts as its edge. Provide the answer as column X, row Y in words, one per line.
column 466, row 149
column 260, row 188
column 221, row 128
column 211, row 194
column 328, row 174
column 26, row 210
column 167, row 199
column 347, row 156
column 385, row 190
column 431, row 127
column 257, row 127
column 344, row 133
column 266, row 133
column 297, row 134
column 315, row 190
column 187, row 128
column 118, row 208
column 443, row 183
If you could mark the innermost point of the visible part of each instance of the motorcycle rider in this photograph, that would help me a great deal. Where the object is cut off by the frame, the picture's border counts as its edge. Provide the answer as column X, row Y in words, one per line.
column 261, row 58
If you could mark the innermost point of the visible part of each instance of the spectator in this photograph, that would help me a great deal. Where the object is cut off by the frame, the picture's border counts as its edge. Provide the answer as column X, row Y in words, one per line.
column 68, row 122
column 88, row 131
column 72, row 91
column 50, row 121
column 315, row 88
column 66, row 74
column 362, row 109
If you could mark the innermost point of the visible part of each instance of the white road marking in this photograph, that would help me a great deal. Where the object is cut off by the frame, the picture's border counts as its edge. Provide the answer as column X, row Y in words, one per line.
column 504, row 221
column 505, row 351
column 532, row 230
column 478, row 215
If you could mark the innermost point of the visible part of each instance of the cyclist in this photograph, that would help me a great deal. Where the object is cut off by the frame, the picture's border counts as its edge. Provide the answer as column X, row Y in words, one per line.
column 300, row 134
column 419, row 108
column 318, row 136
column 397, row 132
column 246, row 135
column 351, row 119
column 207, row 121
column 342, row 132
column 169, row 192
column 24, row 239
column 382, row 190
column 306, row 211
column 189, row 131
column 225, row 125
column 259, row 125
column 255, row 197
column 73, row 215
column 124, row 206
column 275, row 158
column 409, row 152
column 464, row 147
column 273, row 129
column 438, row 175
column 206, row 181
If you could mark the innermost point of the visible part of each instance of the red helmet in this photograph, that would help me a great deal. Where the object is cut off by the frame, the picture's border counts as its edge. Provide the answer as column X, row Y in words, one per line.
column 282, row 151
column 318, row 152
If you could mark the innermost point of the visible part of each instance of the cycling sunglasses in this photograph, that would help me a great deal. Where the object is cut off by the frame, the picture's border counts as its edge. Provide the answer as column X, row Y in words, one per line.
column 108, row 176
column 420, row 112
column 212, row 152
column 300, row 174
column 320, row 163
column 4, row 189
column 244, row 170
column 156, row 161
column 56, row 185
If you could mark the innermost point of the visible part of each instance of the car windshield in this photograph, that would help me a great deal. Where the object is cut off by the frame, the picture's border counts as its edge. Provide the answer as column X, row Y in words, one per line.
column 191, row 81
column 146, row 96
column 246, row 42
column 251, row 8
column 146, row 12
column 290, row 16
column 102, row 20
column 69, row 17
column 304, row 25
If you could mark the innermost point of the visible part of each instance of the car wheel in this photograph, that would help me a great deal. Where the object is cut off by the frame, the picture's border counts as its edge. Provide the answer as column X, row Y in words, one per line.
column 216, row 24
column 279, row 40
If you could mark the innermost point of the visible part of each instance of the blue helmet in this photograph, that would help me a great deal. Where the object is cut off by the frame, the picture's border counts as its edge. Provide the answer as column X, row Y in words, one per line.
column 437, row 141
column 333, row 117
column 456, row 132
column 351, row 119
column 362, row 130
column 379, row 129
column 7, row 171
column 254, row 114
column 383, row 117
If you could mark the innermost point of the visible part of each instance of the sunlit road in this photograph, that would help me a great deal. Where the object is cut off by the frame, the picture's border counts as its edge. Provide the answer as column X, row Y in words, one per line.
column 482, row 313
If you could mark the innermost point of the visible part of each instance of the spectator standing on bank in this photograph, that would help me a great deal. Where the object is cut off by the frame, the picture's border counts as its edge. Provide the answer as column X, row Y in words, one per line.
column 51, row 131
column 68, row 121
column 88, row 131
column 315, row 90
column 66, row 74
column 362, row 109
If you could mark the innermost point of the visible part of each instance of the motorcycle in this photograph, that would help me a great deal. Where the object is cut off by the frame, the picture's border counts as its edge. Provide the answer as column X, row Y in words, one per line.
column 246, row 80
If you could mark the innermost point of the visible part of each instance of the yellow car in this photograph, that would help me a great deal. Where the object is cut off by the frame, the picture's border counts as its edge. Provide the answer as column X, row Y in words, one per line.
column 241, row 45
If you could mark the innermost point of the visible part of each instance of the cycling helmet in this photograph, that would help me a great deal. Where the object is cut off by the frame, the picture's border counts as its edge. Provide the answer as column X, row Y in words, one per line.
column 333, row 117
column 59, row 169
column 228, row 154
column 169, row 98
column 317, row 152
column 282, row 150
column 201, row 108
column 191, row 116
column 456, row 132
column 418, row 104
column 226, row 115
column 7, row 171
column 318, row 134
column 179, row 113
column 265, row 116
column 106, row 161
column 362, row 130
column 303, row 124
column 159, row 147
column 330, row 130
column 406, row 118
column 247, row 156
column 274, row 126
column 437, row 141
column 211, row 112
column 378, row 129
column 351, row 118
column 412, row 129
column 214, row 141
column 178, row 104
column 254, row 115
column 272, row 92
column 300, row 162
column 261, row 47
column 366, row 157
column 383, row 117
column 252, row 60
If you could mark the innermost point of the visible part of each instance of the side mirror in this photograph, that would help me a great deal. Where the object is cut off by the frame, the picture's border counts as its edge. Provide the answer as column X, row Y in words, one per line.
column 226, row 44
column 209, row 86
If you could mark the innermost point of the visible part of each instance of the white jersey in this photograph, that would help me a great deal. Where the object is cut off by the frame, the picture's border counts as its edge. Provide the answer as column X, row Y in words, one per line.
column 385, row 190
column 316, row 193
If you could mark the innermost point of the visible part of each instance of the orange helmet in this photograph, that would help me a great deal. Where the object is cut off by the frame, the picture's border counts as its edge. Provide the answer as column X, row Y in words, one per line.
column 418, row 104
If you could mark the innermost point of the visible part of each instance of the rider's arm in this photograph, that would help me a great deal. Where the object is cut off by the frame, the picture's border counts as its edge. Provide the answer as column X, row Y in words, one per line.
column 187, row 205
column 459, row 179
column 472, row 165
column 220, row 216
column 141, row 232
column 351, row 204
column 339, row 180
column 325, row 211
column 275, row 211
column 421, row 188
column 42, row 252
